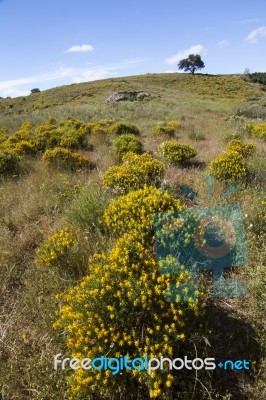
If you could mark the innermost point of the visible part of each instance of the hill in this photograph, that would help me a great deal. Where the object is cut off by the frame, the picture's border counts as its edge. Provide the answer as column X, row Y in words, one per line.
column 67, row 193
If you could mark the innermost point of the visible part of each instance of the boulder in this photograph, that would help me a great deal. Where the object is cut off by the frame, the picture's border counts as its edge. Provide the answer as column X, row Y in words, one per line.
column 131, row 95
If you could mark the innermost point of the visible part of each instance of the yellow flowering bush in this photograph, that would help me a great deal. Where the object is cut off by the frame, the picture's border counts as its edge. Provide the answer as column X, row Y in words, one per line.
column 133, row 211
column 69, row 133
column 176, row 153
column 174, row 124
column 169, row 128
column 61, row 250
column 23, row 147
column 125, row 143
column 3, row 138
column 163, row 130
column 135, row 172
column 120, row 128
column 3, row 132
column 23, row 134
column 257, row 130
column 119, row 309
column 229, row 165
column 9, row 162
column 62, row 158
column 244, row 149
column 101, row 126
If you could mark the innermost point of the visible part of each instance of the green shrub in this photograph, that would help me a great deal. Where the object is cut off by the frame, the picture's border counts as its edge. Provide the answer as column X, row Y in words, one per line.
column 101, row 126
column 244, row 149
column 259, row 218
column 234, row 135
column 163, row 130
column 125, row 143
column 176, row 153
column 3, row 138
column 3, row 131
column 88, row 206
column 197, row 136
column 9, row 162
column 229, row 166
column 135, row 172
column 65, row 159
column 121, row 128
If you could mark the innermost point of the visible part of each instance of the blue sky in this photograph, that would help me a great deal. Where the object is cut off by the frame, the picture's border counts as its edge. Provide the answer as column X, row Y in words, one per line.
column 48, row 43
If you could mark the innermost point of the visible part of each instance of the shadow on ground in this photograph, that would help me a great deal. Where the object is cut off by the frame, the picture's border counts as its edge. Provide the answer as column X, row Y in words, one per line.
column 233, row 339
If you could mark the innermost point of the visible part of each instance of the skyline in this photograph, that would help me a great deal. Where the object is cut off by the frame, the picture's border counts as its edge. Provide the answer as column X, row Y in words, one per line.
column 51, row 43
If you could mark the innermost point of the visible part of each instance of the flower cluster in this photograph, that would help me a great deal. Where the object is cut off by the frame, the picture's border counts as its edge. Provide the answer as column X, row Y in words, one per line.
column 174, row 124
column 120, row 128
column 62, row 158
column 23, row 147
column 55, row 250
column 176, row 153
column 133, row 211
column 101, row 126
column 229, row 166
column 135, row 172
column 119, row 308
column 163, row 130
column 125, row 143
column 244, row 149
column 257, row 130
column 64, row 250
column 168, row 128
column 69, row 133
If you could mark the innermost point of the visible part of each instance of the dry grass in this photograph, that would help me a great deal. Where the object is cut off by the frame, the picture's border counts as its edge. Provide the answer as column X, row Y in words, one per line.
column 35, row 204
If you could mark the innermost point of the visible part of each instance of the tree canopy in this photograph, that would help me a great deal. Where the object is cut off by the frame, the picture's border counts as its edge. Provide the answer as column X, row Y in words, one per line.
column 192, row 63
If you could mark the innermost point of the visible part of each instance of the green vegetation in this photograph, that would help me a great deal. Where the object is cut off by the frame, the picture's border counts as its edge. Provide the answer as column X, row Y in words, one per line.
column 176, row 153
column 257, row 77
column 191, row 64
column 9, row 162
column 135, row 172
column 65, row 159
column 79, row 275
column 125, row 143
column 121, row 128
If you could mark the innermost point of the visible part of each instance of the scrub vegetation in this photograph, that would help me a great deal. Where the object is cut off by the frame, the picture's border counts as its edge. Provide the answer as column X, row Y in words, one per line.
column 80, row 182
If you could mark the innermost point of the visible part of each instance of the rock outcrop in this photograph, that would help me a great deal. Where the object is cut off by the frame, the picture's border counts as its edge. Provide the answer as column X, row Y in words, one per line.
column 130, row 95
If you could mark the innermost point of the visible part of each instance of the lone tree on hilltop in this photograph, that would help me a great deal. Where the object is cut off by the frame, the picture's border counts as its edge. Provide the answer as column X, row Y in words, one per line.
column 191, row 64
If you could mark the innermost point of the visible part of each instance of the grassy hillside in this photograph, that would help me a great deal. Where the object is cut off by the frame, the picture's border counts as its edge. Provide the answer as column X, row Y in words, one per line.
column 40, row 200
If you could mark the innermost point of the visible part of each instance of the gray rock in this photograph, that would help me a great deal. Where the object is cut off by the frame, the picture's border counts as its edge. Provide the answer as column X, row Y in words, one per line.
column 131, row 95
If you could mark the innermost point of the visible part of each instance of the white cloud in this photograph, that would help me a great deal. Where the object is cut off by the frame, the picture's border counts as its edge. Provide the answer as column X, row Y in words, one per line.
column 83, row 48
column 197, row 49
column 22, row 86
column 248, row 21
column 255, row 34
column 87, row 76
column 222, row 44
